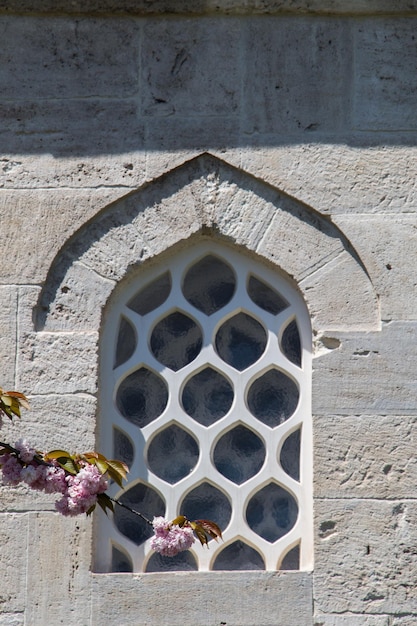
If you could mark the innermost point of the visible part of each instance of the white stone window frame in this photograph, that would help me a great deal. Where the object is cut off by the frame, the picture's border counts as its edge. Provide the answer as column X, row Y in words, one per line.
column 243, row 265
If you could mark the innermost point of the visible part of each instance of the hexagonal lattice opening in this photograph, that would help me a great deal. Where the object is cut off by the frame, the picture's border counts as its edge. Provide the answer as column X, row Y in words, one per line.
column 241, row 341
column 172, row 454
column 209, row 284
column 207, row 502
column 176, row 340
column 273, row 397
column 207, row 396
column 147, row 501
column 238, row 556
column 239, row 454
column 271, row 512
column 142, row 397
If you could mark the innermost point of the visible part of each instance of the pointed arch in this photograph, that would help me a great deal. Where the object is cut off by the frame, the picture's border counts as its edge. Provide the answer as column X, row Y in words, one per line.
column 206, row 197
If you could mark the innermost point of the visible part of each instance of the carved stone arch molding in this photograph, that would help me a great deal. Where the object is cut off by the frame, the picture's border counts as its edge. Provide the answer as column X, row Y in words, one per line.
column 206, row 197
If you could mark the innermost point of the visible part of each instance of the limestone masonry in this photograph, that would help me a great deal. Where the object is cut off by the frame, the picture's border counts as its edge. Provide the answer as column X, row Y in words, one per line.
column 288, row 129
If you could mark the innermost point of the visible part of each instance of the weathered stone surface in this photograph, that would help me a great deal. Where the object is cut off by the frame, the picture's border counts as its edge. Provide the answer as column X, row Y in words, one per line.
column 365, row 556
column 384, row 66
column 265, row 599
column 180, row 57
column 35, row 224
column 79, row 301
column 369, row 373
column 58, row 363
column 143, row 7
column 74, row 61
column 388, row 249
column 13, row 559
column 338, row 178
column 64, row 128
column 284, row 86
column 404, row 620
column 333, row 292
column 8, row 330
column 363, row 456
column 12, row 619
column 65, row 422
column 58, row 587
column 351, row 620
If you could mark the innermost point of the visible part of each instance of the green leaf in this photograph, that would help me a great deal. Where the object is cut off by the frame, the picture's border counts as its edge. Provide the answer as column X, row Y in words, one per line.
column 210, row 528
column 105, row 502
column 199, row 531
column 56, row 454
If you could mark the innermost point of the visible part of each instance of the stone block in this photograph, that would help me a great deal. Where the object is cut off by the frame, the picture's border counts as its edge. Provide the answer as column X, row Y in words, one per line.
column 369, row 373
column 13, row 561
column 8, row 330
column 36, row 223
column 388, row 248
column 12, row 619
column 58, row 363
column 362, row 456
column 58, row 588
column 115, row 172
column 339, row 295
column 199, row 7
column 286, row 88
column 364, row 175
column 365, row 556
column 70, row 127
column 404, row 620
column 385, row 81
column 67, row 58
column 77, row 303
column 351, row 620
column 171, row 141
column 191, row 67
column 203, row 599
column 65, row 422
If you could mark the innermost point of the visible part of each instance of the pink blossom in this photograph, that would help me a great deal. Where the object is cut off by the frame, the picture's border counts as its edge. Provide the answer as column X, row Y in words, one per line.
column 11, row 469
column 170, row 539
column 26, row 452
column 81, row 491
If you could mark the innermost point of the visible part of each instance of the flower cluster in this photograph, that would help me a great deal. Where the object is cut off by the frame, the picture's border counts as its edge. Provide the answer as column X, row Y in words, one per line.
column 169, row 538
column 79, row 491
column 82, row 480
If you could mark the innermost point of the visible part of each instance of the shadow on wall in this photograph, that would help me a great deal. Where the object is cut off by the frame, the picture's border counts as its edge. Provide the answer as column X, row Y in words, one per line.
column 72, row 86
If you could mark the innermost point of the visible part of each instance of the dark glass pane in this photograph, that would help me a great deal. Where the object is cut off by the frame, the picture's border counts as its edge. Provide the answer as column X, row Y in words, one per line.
column 240, row 341
column 207, row 502
column 172, row 454
column 122, row 447
column 238, row 556
column 209, row 285
column 290, row 455
column 265, row 296
column 272, row 512
column 152, row 295
column 126, row 342
column 176, row 341
column 120, row 562
column 273, row 398
column 239, row 454
column 207, row 396
column 142, row 397
column 182, row 562
column 291, row 560
column 145, row 500
column 291, row 344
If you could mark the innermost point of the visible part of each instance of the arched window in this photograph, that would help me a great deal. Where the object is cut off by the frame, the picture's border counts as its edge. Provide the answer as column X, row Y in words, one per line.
column 205, row 389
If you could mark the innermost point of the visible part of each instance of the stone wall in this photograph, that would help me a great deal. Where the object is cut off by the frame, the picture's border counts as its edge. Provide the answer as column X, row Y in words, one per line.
column 287, row 128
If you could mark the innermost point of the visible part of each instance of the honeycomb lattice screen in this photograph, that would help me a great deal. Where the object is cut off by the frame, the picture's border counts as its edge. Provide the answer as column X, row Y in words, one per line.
column 205, row 394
